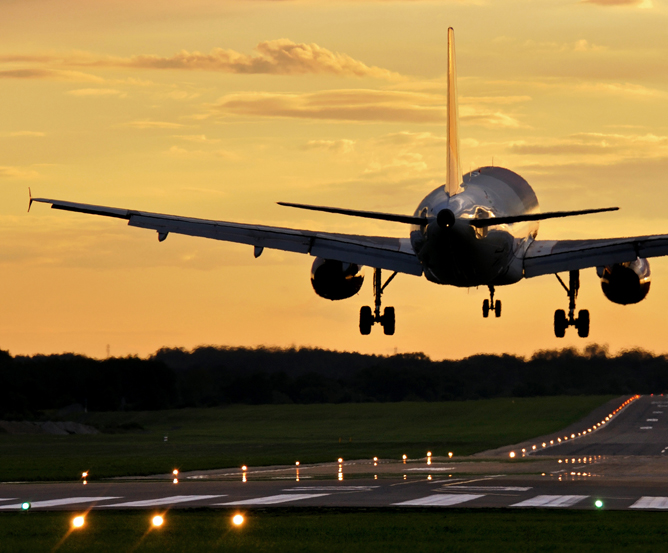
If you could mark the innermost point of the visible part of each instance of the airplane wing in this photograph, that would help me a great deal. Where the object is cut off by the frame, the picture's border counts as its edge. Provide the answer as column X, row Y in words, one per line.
column 554, row 256
column 394, row 254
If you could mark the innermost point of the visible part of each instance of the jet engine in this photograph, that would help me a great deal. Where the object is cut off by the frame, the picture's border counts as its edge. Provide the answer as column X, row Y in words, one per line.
column 334, row 280
column 625, row 283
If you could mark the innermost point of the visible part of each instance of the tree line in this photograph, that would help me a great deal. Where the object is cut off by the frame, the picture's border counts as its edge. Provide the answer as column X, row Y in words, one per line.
column 210, row 376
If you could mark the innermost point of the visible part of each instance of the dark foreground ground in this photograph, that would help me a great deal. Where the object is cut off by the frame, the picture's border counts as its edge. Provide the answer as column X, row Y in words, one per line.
column 339, row 531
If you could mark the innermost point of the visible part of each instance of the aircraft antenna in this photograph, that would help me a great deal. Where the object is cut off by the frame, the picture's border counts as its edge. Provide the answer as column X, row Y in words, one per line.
column 453, row 175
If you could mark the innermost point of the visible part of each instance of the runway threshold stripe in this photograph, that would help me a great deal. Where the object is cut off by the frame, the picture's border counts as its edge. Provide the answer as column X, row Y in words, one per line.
column 439, row 500
column 172, row 500
column 272, row 499
column 647, row 502
column 551, row 501
column 59, row 502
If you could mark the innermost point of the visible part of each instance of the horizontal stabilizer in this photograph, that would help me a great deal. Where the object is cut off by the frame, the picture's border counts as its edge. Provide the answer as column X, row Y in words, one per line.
column 481, row 223
column 366, row 214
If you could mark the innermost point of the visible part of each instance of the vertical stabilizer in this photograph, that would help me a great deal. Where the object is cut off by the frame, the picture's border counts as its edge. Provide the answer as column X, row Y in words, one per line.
column 453, row 176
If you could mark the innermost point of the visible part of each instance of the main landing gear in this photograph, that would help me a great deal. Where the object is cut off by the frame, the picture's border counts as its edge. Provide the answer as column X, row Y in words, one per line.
column 489, row 304
column 561, row 323
column 367, row 318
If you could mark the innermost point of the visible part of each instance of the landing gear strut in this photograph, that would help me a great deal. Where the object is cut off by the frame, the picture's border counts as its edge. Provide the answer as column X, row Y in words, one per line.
column 367, row 318
column 561, row 323
column 489, row 304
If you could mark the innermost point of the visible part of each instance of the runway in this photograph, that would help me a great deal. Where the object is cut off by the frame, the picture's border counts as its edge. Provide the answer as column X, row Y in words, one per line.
column 620, row 464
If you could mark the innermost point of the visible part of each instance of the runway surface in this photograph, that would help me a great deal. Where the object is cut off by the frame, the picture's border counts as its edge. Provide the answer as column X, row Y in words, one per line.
column 621, row 463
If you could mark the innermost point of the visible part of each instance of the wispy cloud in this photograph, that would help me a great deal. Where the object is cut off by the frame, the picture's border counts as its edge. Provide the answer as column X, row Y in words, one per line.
column 341, row 146
column 638, row 3
column 152, row 125
column 8, row 172
column 49, row 74
column 97, row 92
column 277, row 57
column 201, row 138
column 24, row 133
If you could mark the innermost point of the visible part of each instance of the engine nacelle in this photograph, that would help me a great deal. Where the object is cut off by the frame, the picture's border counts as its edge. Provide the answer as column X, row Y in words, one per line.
column 334, row 280
column 625, row 283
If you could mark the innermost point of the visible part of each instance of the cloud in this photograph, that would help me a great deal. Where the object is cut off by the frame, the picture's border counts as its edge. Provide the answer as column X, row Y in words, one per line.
column 342, row 146
column 97, row 92
column 413, row 139
column 195, row 138
column 49, row 74
column 17, row 173
column 152, row 125
column 604, row 148
column 638, row 3
column 183, row 153
column 276, row 57
column 25, row 133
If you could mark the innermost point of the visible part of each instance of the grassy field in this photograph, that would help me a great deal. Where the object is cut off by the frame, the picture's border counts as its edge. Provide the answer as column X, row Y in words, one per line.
column 280, row 434
column 340, row 531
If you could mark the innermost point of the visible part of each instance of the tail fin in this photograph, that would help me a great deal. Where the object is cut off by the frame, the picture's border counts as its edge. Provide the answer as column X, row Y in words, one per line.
column 453, row 175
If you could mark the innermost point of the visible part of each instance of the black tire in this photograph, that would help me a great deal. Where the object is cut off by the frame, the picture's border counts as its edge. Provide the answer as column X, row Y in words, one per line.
column 497, row 308
column 366, row 320
column 388, row 321
column 485, row 308
column 560, row 323
column 583, row 323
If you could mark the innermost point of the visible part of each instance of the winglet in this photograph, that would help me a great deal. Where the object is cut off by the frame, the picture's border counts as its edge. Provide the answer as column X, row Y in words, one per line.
column 453, row 171
column 29, row 199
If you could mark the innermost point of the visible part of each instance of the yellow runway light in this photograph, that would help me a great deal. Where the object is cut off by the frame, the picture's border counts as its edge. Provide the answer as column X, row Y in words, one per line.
column 238, row 520
column 78, row 521
column 157, row 521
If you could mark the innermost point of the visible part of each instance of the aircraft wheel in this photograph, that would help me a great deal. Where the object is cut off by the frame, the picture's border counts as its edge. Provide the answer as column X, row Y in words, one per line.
column 560, row 323
column 485, row 308
column 583, row 323
column 388, row 321
column 497, row 308
column 366, row 320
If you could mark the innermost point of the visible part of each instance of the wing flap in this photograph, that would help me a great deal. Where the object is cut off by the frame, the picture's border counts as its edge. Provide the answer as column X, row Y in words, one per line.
column 554, row 256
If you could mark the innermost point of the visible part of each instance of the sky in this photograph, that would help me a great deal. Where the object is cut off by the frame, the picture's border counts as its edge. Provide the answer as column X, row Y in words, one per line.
column 219, row 109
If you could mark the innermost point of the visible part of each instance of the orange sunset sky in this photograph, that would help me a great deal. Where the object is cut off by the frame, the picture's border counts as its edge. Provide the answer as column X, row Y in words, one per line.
column 219, row 109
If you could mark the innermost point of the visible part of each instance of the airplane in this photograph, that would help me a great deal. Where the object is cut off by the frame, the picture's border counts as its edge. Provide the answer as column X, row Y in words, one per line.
column 476, row 230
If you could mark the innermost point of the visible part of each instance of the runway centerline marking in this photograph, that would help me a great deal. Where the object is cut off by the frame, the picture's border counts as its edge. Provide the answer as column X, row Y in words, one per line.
column 645, row 428
column 647, row 502
column 331, row 488
column 8, row 498
column 59, row 502
column 551, row 501
column 171, row 500
column 492, row 488
column 652, row 420
column 440, row 500
column 272, row 499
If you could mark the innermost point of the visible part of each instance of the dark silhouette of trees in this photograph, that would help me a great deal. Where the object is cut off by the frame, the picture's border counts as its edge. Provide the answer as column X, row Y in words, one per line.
column 209, row 376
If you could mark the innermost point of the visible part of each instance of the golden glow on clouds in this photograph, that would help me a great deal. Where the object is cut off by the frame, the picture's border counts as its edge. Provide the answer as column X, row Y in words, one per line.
column 219, row 109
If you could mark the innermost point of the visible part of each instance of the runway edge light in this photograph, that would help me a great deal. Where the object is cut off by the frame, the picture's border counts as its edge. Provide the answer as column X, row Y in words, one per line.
column 25, row 506
column 598, row 503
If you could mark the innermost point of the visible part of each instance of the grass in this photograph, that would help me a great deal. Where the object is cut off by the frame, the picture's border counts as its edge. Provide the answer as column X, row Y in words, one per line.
column 340, row 531
column 280, row 434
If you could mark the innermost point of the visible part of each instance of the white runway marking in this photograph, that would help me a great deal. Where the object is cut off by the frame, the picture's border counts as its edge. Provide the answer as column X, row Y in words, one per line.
column 58, row 502
column 652, row 420
column 645, row 428
column 272, row 499
column 163, row 501
column 440, row 500
column 551, row 501
column 657, row 412
column 8, row 498
column 431, row 469
column 491, row 488
column 651, row 503
column 330, row 488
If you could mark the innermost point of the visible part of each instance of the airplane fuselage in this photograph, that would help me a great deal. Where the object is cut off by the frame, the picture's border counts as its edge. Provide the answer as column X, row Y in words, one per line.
column 463, row 255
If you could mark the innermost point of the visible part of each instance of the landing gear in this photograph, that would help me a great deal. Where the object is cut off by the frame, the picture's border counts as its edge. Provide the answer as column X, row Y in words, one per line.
column 491, row 305
column 387, row 319
column 561, row 322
